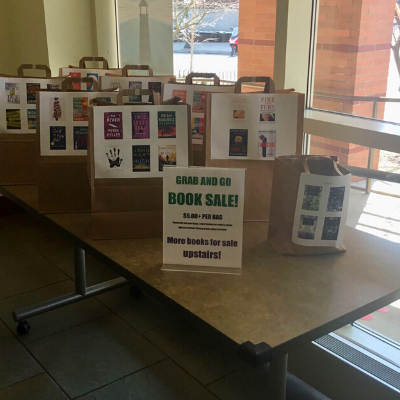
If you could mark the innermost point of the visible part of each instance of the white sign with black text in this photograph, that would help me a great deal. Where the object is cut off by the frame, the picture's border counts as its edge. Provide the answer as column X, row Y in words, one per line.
column 203, row 219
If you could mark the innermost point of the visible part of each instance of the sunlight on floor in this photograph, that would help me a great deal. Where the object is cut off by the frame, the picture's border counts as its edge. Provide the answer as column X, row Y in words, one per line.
column 379, row 215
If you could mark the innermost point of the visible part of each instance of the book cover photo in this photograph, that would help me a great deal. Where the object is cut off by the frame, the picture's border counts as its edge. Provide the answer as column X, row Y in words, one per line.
column 141, row 125
column 336, row 198
column 55, row 86
column 13, row 118
column 75, row 85
column 197, row 127
column 80, row 137
column 331, row 228
column 180, row 93
column 56, row 108
column 114, row 158
column 31, row 114
column 31, row 89
column 80, row 109
column 57, row 138
column 94, row 76
column 238, row 139
column 166, row 156
column 166, row 124
column 12, row 91
column 199, row 102
column 267, row 144
column 156, row 86
column 311, row 197
column 267, row 109
column 113, row 125
column 141, row 158
column 307, row 227
column 135, row 85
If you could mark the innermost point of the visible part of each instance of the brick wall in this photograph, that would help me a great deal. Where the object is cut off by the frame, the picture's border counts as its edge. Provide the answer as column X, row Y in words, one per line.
column 257, row 20
column 352, row 59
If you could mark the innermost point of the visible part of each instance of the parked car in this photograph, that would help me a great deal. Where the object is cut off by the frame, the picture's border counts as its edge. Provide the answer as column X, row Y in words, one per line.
column 234, row 41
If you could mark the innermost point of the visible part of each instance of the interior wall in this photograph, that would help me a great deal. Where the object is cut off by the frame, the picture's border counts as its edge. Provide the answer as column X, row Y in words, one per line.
column 71, row 31
column 22, row 34
column 106, row 31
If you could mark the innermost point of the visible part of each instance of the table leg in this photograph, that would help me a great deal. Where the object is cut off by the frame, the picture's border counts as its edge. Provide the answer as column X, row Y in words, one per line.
column 80, row 271
column 277, row 378
column 81, row 292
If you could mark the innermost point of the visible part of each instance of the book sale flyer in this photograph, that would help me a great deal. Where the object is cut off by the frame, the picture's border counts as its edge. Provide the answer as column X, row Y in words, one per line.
column 18, row 101
column 203, row 219
column 150, row 137
column 270, row 121
column 67, row 113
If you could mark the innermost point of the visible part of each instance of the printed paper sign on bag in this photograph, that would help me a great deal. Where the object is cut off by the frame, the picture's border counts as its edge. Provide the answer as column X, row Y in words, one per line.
column 253, row 126
column 18, row 102
column 321, row 210
column 203, row 218
column 139, row 140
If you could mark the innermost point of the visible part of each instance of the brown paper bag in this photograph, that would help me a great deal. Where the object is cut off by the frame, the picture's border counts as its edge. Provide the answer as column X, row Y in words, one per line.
column 310, row 204
column 82, row 71
column 18, row 143
column 259, row 172
column 126, row 208
column 127, row 81
column 186, row 92
column 63, row 181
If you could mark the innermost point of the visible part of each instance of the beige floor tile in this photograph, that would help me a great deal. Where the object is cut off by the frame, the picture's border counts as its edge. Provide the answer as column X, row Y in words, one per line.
column 205, row 357
column 142, row 313
column 27, row 272
column 40, row 387
column 89, row 356
column 162, row 381
column 54, row 247
column 16, row 364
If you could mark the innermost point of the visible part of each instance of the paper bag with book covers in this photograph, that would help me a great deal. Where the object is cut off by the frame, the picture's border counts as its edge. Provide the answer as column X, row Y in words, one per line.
column 128, row 81
column 63, row 120
column 310, row 196
column 18, row 143
column 195, row 95
column 83, row 72
column 129, row 145
column 248, row 130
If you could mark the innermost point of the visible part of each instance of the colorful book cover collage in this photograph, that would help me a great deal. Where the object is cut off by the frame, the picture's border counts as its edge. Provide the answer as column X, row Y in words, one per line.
column 321, row 210
column 139, row 142
column 64, row 119
column 135, row 82
column 263, row 135
column 254, row 126
column 196, row 96
column 18, row 103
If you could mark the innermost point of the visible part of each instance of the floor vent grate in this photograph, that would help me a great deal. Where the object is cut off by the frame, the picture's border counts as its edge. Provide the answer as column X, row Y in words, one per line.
column 361, row 360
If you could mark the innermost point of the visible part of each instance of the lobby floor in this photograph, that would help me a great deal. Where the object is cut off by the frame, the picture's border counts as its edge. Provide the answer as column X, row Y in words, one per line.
column 379, row 215
column 112, row 346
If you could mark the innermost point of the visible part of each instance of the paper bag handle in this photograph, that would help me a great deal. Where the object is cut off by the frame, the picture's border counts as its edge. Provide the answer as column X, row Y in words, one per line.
column 138, row 92
column 42, row 67
column 269, row 83
column 127, row 68
column 82, row 61
column 334, row 160
column 207, row 75
column 67, row 83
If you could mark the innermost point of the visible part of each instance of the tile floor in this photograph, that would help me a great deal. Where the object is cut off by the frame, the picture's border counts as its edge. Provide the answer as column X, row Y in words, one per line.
column 108, row 347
